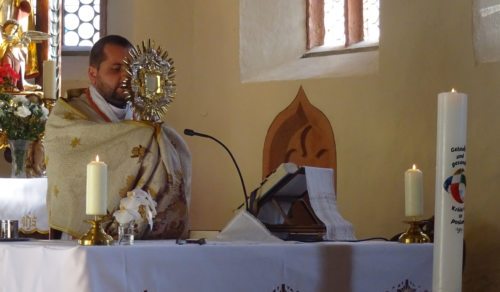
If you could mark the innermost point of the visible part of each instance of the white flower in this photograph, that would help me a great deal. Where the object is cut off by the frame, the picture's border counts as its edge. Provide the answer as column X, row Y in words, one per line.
column 132, row 202
column 22, row 111
column 126, row 216
column 20, row 98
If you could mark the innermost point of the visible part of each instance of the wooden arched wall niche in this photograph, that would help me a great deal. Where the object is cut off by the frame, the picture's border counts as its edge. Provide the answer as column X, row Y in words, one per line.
column 301, row 134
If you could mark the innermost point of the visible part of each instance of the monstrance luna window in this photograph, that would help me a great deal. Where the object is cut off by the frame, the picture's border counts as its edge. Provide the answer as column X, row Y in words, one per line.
column 84, row 22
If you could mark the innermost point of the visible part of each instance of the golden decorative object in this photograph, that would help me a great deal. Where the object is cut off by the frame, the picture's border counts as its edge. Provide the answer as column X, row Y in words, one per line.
column 414, row 234
column 75, row 142
column 49, row 103
column 4, row 141
column 150, row 83
column 96, row 234
column 139, row 152
column 15, row 42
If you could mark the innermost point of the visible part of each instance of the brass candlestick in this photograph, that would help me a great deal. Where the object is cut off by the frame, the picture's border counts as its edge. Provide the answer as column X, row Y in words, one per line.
column 414, row 234
column 49, row 103
column 96, row 234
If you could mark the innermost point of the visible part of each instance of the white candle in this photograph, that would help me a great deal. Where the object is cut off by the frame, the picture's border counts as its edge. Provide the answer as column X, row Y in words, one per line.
column 450, row 191
column 414, row 201
column 97, row 187
column 49, row 79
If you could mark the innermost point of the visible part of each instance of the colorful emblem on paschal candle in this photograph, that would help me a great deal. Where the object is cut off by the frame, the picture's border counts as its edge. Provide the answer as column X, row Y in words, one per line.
column 455, row 185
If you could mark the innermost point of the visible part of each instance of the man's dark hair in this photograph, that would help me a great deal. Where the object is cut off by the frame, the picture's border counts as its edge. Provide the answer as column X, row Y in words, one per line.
column 97, row 55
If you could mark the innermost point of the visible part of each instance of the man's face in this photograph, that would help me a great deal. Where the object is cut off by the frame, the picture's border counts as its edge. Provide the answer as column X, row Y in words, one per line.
column 107, row 78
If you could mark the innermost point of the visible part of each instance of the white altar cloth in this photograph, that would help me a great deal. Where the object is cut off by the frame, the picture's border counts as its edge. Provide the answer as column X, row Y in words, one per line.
column 164, row 266
column 24, row 199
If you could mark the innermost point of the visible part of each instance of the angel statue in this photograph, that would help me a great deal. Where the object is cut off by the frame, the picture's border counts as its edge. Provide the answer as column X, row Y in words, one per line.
column 14, row 50
column 23, row 11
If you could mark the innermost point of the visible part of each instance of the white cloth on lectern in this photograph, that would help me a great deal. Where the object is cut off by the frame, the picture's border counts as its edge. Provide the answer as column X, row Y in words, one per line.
column 245, row 227
column 324, row 203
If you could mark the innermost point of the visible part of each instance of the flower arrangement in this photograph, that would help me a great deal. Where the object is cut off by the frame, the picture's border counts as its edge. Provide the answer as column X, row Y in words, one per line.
column 136, row 206
column 21, row 117
column 22, row 121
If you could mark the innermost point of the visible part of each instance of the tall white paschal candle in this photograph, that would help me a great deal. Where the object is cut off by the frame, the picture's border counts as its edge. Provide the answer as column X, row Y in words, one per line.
column 414, row 200
column 97, row 187
column 450, row 191
column 49, row 79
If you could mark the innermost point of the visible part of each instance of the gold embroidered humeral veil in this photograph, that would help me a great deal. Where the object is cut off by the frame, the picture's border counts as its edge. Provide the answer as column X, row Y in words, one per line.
column 138, row 154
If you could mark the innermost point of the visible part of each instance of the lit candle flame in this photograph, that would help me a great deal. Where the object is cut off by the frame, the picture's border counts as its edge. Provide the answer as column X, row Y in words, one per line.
column 453, row 90
column 97, row 158
column 414, row 167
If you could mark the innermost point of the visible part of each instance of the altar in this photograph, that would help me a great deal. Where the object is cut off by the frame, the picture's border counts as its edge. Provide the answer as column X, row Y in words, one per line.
column 216, row 266
column 25, row 200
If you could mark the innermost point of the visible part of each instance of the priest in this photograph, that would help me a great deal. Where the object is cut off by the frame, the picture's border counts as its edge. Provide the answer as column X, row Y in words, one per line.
column 139, row 154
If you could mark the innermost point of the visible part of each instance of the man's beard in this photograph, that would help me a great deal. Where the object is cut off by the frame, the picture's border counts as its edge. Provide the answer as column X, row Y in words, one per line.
column 116, row 98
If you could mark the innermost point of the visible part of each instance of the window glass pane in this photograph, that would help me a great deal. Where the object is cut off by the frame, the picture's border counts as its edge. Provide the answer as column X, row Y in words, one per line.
column 71, row 6
column 86, row 1
column 97, row 22
column 71, row 38
column 334, row 23
column 97, row 7
column 71, row 21
column 371, row 20
column 86, row 30
column 86, row 43
column 86, row 13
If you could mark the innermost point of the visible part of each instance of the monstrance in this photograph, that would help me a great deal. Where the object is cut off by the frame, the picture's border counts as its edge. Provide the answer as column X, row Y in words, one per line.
column 150, row 83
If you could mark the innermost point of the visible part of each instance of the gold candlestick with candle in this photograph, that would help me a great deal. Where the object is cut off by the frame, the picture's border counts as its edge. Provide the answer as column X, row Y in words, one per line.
column 414, row 207
column 96, row 203
column 49, row 84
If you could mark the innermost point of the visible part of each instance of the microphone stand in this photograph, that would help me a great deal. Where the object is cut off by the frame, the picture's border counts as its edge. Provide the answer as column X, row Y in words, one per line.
column 190, row 132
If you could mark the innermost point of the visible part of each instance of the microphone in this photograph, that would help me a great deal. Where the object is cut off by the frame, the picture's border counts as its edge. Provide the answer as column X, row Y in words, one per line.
column 190, row 132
